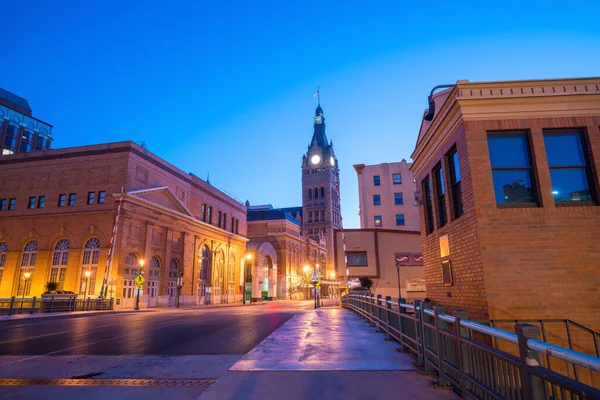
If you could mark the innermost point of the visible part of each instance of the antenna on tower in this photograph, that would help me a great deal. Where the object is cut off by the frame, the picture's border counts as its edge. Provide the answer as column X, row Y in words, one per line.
column 208, row 178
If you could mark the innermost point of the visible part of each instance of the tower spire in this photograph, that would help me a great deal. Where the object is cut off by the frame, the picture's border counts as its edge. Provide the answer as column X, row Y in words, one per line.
column 318, row 96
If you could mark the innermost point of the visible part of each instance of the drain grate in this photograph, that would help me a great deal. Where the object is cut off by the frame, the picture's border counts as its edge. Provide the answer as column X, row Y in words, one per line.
column 108, row 382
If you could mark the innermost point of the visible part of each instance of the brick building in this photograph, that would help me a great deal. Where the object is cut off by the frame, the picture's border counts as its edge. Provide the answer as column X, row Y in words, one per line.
column 508, row 180
column 57, row 209
column 281, row 252
column 20, row 131
column 386, row 196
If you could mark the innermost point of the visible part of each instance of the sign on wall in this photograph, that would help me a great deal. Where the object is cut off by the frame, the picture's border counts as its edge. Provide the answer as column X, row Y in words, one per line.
column 409, row 259
column 415, row 285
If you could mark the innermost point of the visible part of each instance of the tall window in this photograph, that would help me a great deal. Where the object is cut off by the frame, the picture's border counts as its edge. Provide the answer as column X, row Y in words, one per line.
column 232, row 224
column 91, row 198
column 376, row 200
column 398, row 199
column 376, row 180
column 440, row 193
column 457, row 201
column 397, row 179
column 153, row 276
column 3, row 205
column 101, row 197
column 218, row 273
column 60, row 258
column 71, row 199
column 309, row 194
column 31, row 203
column 568, row 159
column 62, row 198
column 91, row 253
column 28, row 261
column 173, row 275
column 209, row 214
column 41, row 201
column 378, row 221
column 511, row 168
column 11, row 204
column 237, row 223
column 322, row 192
column 427, row 203
column 3, row 251
column 130, row 271
column 225, row 221
column 400, row 220
column 205, row 260
column 219, row 214
column 231, row 275
column 203, row 212
column 310, row 216
column 316, row 194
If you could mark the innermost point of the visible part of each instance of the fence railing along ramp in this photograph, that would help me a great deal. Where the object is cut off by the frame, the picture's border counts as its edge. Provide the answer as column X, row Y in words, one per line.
column 461, row 353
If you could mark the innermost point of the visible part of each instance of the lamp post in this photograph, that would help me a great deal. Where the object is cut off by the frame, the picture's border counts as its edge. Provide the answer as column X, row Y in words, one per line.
column 248, row 261
column 315, row 279
column 26, row 275
column 87, row 282
column 332, row 277
column 179, row 286
column 137, row 297
column 398, row 262
column 306, row 268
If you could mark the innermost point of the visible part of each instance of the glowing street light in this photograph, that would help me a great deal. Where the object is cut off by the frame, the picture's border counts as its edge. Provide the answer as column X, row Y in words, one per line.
column 137, row 297
column 248, row 262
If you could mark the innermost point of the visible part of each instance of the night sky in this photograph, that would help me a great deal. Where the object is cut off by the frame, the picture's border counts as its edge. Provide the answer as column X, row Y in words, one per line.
column 227, row 87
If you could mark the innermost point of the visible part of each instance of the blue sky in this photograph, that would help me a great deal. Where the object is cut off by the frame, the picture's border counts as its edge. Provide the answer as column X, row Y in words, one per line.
column 226, row 87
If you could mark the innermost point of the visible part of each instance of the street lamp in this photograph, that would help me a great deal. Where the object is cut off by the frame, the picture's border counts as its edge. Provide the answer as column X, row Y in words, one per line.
column 137, row 297
column 179, row 286
column 332, row 287
column 26, row 275
column 398, row 261
column 306, row 268
column 87, row 281
column 316, row 276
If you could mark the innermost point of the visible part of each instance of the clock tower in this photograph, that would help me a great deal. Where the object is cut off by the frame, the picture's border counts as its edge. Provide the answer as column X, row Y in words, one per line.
column 321, row 191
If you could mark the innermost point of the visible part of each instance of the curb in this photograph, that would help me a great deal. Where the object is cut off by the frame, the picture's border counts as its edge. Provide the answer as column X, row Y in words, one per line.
column 66, row 316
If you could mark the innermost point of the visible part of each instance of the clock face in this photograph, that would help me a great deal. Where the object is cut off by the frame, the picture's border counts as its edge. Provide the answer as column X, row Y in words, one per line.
column 315, row 159
column 332, row 161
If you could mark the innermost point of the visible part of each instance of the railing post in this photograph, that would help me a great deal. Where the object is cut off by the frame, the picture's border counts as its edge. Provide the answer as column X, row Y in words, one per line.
column 419, row 333
column 388, row 311
column 533, row 386
column 402, row 325
column 88, row 304
column 425, row 332
column 372, row 306
column 378, row 308
column 462, row 352
column 12, row 306
column 32, row 305
column 439, row 343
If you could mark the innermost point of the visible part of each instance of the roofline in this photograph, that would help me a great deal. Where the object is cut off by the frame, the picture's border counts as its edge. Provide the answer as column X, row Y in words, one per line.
column 379, row 230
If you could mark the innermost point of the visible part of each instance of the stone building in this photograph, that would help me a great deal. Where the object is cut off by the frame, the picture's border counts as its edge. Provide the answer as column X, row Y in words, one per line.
column 386, row 196
column 20, row 131
column 282, row 254
column 508, row 180
column 58, row 207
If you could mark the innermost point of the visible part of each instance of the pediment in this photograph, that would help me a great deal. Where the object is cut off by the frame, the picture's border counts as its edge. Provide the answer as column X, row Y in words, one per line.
column 162, row 197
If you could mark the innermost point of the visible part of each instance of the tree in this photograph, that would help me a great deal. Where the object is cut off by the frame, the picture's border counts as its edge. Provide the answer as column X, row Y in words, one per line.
column 366, row 282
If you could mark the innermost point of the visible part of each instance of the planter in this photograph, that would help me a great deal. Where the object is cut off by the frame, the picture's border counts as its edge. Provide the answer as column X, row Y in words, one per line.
column 57, row 302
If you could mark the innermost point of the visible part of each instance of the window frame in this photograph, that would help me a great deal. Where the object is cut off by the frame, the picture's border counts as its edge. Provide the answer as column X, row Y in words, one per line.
column 72, row 199
column 403, row 220
column 31, row 202
column 3, row 204
column 376, row 180
column 12, row 203
column 376, row 200
column 427, row 204
column 41, row 202
column 401, row 197
column 349, row 254
column 590, row 173
column 91, row 198
column 375, row 218
column 399, row 182
column 101, row 197
column 537, row 200
column 447, row 275
column 439, row 188
column 457, row 207
column 62, row 200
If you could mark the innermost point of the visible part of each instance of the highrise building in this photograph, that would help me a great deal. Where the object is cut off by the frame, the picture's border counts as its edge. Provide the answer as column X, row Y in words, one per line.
column 20, row 131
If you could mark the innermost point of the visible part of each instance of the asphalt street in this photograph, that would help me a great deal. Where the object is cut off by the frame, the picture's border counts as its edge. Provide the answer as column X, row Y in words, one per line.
column 217, row 331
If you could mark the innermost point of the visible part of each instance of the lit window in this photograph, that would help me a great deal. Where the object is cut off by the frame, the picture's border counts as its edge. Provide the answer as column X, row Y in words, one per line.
column 378, row 221
column 397, row 179
column 376, row 200
column 569, row 167
column 60, row 258
column 91, row 254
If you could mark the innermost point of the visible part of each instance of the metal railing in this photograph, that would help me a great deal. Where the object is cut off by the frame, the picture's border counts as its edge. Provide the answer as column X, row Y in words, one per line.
column 34, row 305
column 446, row 345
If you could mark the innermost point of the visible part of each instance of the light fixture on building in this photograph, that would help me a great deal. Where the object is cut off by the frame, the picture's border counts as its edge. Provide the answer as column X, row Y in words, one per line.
column 431, row 109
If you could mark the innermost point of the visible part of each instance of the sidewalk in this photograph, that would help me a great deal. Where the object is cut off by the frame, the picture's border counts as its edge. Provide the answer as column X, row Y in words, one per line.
column 71, row 314
column 327, row 353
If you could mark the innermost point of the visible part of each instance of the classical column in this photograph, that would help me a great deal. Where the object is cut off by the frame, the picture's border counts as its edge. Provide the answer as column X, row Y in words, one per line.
column 273, row 283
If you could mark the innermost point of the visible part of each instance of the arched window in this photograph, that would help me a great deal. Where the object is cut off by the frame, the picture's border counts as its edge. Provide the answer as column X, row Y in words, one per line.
column 28, row 261
column 231, row 275
column 153, row 276
column 218, row 273
column 204, row 259
column 91, row 253
column 3, row 251
column 310, row 194
column 60, row 257
column 322, row 192
column 173, row 274
column 316, row 193
column 130, row 271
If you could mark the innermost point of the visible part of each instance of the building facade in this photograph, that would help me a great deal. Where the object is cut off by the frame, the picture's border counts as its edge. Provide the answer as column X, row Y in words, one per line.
column 321, row 190
column 508, row 181
column 20, row 132
column 386, row 196
column 58, row 207
column 285, row 258
column 391, row 259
